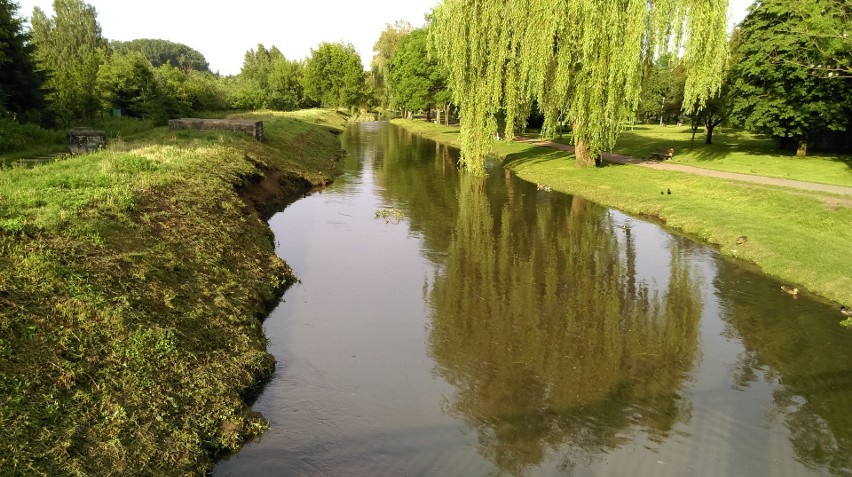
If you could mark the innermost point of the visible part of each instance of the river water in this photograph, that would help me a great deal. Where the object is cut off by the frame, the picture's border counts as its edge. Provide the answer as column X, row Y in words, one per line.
column 480, row 326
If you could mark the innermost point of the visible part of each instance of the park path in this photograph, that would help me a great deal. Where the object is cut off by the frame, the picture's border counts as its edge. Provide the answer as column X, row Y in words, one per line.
column 667, row 166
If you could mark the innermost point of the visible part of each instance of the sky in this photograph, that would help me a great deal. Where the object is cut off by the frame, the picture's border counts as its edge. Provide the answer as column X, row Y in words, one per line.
column 223, row 32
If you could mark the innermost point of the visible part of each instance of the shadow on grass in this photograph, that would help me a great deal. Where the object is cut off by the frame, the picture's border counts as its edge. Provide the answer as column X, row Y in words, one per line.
column 544, row 155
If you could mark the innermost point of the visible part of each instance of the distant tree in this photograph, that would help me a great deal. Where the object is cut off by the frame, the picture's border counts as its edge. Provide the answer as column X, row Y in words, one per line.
column 126, row 81
column 408, row 73
column 384, row 50
column 416, row 81
column 719, row 107
column 20, row 93
column 251, row 88
column 285, row 85
column 174, row 95
column 70, row 49
column 789, row 80
column 164, row 52
column 334, row 76
column 204, row 91
column 662, row 89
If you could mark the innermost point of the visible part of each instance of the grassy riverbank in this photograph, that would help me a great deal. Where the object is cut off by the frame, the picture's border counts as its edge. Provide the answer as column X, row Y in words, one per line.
column 792, row 235
column 131, row 282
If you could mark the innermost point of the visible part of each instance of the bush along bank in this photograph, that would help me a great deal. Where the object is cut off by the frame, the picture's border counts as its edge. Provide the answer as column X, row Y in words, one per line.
column 793, row 235
column 131, row 283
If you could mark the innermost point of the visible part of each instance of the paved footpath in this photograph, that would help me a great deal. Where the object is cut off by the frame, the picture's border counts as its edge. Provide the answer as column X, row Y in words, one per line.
column 667, row 166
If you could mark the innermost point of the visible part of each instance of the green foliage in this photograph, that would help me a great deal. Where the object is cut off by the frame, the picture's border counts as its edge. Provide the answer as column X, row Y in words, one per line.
column 334, row 76
column 164, row 52
column 70, row 49
column 126, row 81
column 268, row 81
column 20, row 93
column 384, row 50
column 285, row 85
column 416, row 81
column 662, row 90
column 15, row 136
column 781, row 85
column 182, row 94
column 581, row 60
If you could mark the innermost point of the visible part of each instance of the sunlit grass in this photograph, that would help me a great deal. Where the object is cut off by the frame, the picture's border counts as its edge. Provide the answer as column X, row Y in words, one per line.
column 791, row 235
column 735, row 151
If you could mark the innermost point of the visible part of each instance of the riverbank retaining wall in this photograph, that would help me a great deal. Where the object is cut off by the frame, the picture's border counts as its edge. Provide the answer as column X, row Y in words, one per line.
column 247, row 126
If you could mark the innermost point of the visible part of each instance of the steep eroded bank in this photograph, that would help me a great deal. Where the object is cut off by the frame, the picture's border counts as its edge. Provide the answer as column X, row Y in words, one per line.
column 131, row 282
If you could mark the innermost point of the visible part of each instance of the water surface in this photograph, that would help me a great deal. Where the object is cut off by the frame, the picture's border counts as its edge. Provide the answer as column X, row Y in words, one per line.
column 489, row 328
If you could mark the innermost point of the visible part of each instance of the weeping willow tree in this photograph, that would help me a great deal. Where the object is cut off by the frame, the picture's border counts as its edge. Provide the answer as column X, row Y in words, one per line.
column 581, row 59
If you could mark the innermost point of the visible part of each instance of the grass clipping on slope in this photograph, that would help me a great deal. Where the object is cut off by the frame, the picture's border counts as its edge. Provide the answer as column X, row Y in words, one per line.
column 130, row 289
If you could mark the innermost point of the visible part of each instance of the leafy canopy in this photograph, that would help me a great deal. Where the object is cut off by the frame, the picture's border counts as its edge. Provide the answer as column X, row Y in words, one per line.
column 334, row 75
column 70, row 49
column 416, row 81
column 384, row 50
column 580, row 59
column 790, row 80
column 164, row 52
column 268, row 80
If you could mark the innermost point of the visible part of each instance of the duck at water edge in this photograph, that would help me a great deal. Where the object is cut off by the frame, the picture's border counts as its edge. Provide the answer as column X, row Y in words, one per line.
column 790, row 290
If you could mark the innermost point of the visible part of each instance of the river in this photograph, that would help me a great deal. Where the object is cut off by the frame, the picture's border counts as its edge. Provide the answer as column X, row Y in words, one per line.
column 451, row 325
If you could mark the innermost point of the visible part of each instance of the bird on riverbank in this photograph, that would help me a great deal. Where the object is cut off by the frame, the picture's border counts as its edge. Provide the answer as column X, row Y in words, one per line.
column 790, row 290
column 846, row 311
column 742, row 239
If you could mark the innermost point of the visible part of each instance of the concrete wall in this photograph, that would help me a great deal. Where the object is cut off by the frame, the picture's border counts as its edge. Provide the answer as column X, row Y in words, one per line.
column 247, row 126
column 85, row 140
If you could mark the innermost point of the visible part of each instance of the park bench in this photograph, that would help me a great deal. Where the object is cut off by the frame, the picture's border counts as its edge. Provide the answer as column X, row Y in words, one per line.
column 662, row 154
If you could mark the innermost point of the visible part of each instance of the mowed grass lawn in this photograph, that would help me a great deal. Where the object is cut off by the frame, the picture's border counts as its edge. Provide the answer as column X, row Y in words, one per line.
column 792, row 235
column 734, row 151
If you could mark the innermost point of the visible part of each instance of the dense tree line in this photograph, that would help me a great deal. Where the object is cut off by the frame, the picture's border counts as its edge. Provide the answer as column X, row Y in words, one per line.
column 786, row 71
column 63, row 72
column 788, row 75
column 164, row 52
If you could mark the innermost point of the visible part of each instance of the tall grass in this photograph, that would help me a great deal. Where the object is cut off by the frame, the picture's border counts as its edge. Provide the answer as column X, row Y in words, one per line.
column 27, row 137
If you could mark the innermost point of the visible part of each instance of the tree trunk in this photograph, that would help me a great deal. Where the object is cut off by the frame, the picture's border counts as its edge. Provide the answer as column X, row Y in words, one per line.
column 447, row 114
column 437, row 115
column 584, row 155
column 708, row 133
column 802, row 151
column 428, row 114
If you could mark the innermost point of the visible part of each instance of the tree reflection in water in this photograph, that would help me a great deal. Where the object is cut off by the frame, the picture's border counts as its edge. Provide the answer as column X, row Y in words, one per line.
column 554, row 342
column 811, row 368
column 538, row 319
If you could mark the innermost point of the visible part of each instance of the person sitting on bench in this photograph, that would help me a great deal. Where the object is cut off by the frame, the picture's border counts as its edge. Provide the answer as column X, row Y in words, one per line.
column 662, row 154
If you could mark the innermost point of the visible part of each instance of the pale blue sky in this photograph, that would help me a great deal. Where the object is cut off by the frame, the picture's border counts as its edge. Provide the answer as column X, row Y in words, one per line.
column 223, row 32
